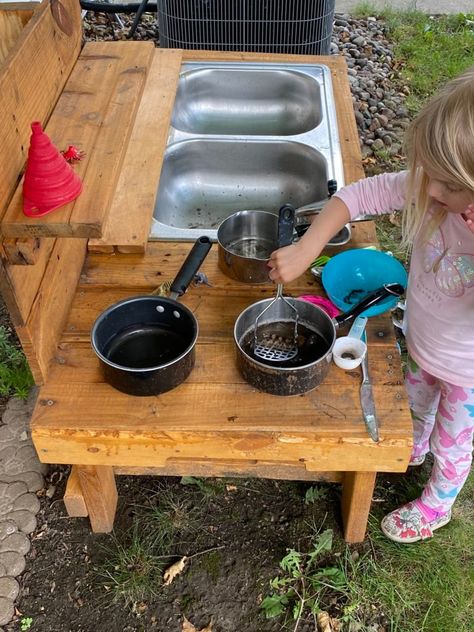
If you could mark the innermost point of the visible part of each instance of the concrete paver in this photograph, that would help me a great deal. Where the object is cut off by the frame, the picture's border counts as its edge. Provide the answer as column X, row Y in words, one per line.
column 21, row 475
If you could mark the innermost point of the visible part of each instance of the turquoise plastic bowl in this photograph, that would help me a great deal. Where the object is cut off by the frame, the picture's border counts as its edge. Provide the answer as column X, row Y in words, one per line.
column 350, row 275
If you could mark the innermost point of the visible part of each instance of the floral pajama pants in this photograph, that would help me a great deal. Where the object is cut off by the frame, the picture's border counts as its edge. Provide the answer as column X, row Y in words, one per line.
column 443, row 424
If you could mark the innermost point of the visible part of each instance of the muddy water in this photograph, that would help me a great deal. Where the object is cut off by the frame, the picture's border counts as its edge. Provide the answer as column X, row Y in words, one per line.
column 311, row 344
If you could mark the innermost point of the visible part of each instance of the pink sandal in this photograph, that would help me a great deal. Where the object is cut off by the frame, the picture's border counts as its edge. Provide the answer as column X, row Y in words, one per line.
column 407, row 524
column 417, row 460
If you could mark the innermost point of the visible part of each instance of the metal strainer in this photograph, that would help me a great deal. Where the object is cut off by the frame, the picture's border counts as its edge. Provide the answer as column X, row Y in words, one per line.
column 269, row 343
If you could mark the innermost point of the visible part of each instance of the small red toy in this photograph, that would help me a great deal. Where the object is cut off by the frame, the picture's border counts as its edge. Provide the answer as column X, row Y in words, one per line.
column 73, row 154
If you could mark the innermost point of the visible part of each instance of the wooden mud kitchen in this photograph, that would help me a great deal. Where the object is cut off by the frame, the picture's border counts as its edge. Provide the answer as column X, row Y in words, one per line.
column 114, row 101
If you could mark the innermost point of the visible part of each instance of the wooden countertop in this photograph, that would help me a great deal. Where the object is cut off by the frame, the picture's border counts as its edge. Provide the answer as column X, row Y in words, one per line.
column 214, row 414
column 100, row 425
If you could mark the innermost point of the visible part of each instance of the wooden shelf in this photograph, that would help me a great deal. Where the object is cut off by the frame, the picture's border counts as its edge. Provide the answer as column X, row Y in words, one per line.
column 95, row 113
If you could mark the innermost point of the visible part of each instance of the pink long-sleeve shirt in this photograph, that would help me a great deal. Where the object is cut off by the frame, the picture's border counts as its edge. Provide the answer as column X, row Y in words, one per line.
column 440, row 293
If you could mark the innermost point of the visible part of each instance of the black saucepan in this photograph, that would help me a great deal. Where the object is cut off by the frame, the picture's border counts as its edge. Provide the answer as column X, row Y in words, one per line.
column 146, row 344
column 316, row 337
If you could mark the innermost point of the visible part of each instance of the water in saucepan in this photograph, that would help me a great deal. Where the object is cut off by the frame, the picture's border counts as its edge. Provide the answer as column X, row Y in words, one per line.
column 254, row 248
column 146, row 347
column 311, row 344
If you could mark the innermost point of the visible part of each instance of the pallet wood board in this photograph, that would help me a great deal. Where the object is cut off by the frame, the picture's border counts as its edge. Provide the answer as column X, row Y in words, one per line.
column 12, row 23
column 214, row 400
column 32, row 83
column 130, row 217
column 95, row 113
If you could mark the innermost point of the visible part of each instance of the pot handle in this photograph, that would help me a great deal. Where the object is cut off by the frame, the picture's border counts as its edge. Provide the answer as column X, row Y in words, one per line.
column 191, row 265
column 286, row 224
column 375, row 297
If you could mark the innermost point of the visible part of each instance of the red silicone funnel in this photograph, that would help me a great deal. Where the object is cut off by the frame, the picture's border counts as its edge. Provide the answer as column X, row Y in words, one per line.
column 50, row 182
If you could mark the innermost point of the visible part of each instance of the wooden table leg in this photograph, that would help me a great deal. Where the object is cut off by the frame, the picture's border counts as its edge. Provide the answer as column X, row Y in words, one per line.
column 100, row 495
column 357, row 491
column 73, row 496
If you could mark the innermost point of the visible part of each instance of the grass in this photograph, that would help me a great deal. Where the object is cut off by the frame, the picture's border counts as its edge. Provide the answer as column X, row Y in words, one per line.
column 132, row 572
column 15, row 375
column 427, row 587
column 429, row 50
column 136, row 557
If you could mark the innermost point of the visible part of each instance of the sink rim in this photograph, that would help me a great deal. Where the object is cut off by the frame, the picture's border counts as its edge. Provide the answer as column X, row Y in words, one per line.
column 324, row 138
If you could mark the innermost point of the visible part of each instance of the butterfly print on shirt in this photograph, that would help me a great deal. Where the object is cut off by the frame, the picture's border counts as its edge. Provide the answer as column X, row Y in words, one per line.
column 454, row 272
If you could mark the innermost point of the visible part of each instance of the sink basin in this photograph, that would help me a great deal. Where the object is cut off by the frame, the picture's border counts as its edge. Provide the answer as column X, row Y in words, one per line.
column 203, row 181
column 245, row 136
column 277, row 102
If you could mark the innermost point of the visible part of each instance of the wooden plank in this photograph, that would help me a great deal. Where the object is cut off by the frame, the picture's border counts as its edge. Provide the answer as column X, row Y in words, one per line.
column 226, row 407
column 131, row 212
column 357, row 491
column 233, row 469
column 19, row 284
column 39, row 298
column 50, row 309
column 95, row 113
column 100, row 495
column 31, row 83
column 12, row 23
column 39, row 311
column 20, row 6
column 75, row 362
column 73, row 496
column 342, row 448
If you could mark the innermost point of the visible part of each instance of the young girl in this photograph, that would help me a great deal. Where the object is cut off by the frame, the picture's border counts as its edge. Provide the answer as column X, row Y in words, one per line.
column 437, row 195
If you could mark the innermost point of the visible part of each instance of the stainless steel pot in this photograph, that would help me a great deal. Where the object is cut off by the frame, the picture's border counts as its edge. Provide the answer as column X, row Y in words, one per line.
column 317, row 334
column 246, row 240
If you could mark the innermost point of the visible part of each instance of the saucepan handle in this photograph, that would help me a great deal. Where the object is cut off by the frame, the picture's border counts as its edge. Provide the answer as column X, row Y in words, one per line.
column 191, row 265
column 375, row 297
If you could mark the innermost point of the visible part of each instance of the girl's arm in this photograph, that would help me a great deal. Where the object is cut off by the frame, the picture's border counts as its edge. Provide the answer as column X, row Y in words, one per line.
column 371, row 196
column 292, row 261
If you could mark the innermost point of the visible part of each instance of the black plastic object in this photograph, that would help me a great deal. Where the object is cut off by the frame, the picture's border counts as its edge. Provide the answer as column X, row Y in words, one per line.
column 286, row 223
column 146, row 344
column 112, row 7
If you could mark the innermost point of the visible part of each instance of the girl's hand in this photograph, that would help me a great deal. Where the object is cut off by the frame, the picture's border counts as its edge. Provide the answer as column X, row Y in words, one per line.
column 469, row 215
column 288, row 263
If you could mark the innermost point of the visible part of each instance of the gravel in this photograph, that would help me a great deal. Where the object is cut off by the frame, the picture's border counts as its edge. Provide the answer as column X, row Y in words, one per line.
column 378, row 95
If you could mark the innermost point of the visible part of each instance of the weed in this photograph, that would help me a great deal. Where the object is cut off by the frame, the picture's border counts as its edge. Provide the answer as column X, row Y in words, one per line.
column 315, row 493
column 306, row 582
column 426, row 587
column 164, row 520
column 208, row 487
column 15, row 375
column 131, row 573
column 26, row 623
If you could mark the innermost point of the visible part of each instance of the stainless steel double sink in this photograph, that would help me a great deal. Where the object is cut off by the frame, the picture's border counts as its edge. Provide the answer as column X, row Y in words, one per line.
column 245, row 136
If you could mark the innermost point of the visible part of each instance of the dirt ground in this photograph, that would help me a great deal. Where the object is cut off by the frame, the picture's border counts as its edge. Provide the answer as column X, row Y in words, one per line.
column 247, row 524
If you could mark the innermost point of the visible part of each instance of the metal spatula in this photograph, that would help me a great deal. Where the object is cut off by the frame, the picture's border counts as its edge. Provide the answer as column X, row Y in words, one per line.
column 269, row 344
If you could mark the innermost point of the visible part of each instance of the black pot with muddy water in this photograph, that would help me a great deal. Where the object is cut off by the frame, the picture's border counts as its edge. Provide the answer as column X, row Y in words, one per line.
column 316, row 334
column 146, row 344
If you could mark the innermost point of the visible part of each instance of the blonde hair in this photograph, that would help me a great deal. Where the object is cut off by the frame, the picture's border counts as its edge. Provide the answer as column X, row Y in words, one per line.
column 440, row 139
